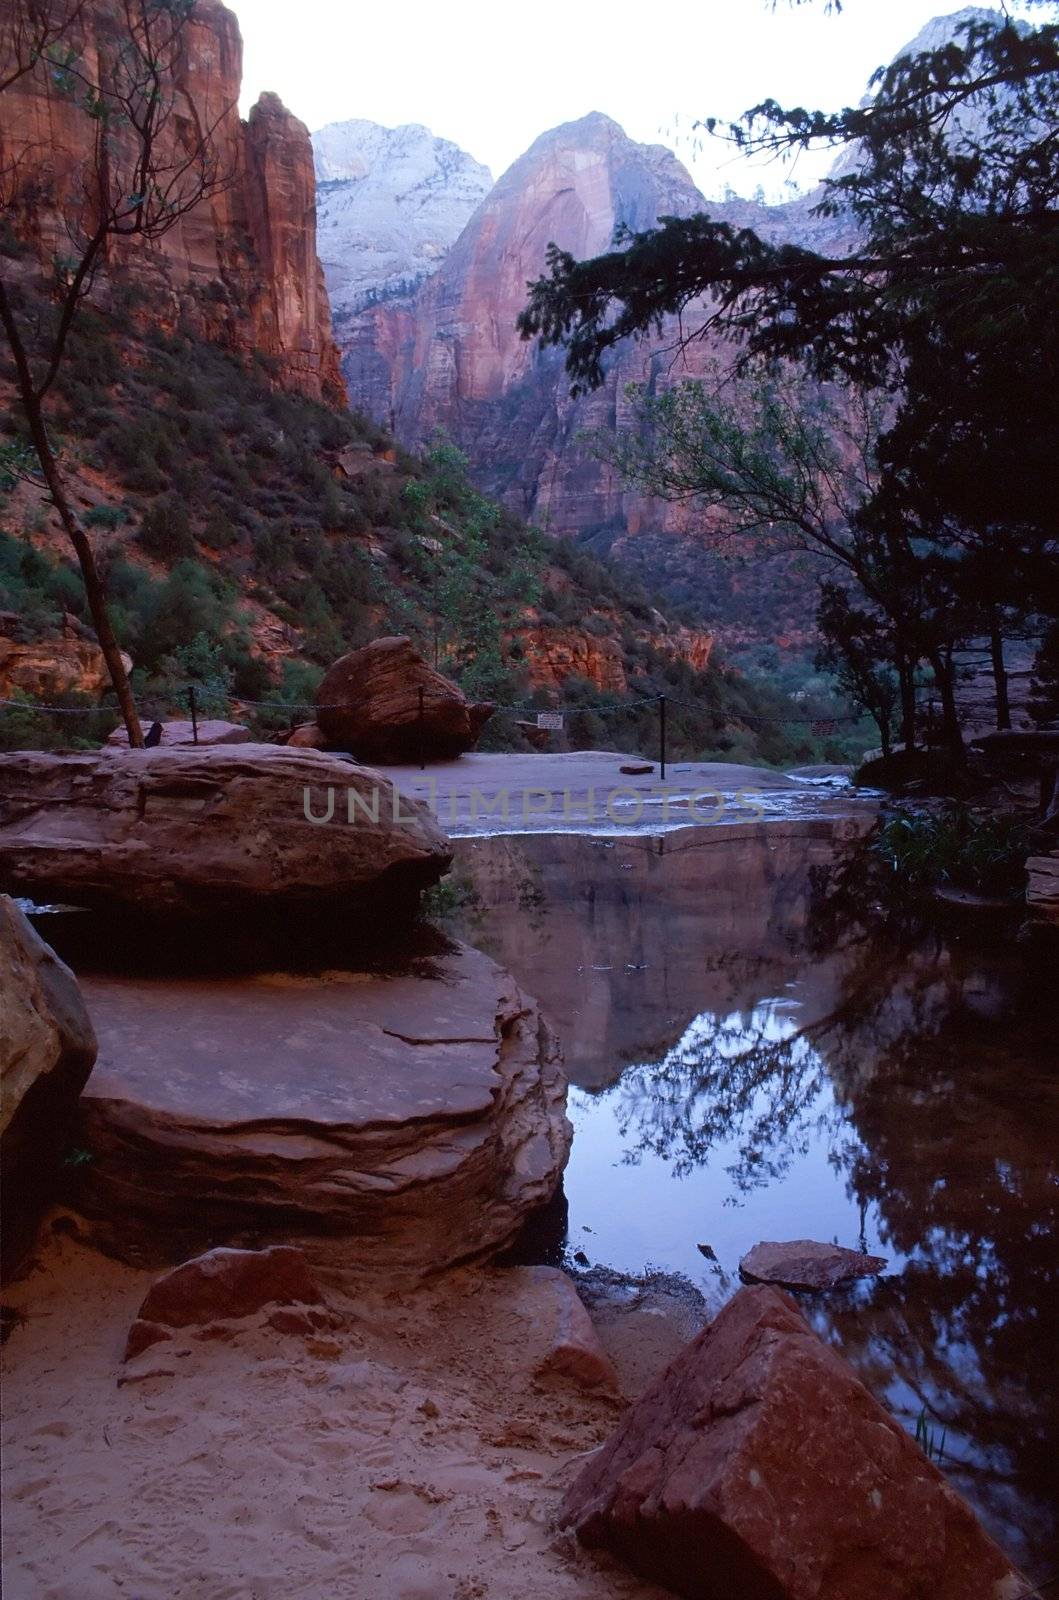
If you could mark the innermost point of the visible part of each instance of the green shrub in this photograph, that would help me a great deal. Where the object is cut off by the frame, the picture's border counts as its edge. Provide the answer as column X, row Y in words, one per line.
column 165, row 531
column 954, row 846
column 105, row 517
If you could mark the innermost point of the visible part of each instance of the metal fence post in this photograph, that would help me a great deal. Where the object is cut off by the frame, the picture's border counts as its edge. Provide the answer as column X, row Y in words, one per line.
column 662, row 733
column 194, row 714
column 422, row 733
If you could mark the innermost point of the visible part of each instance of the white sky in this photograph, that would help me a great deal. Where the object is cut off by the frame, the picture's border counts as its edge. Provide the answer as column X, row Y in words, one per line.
column 492, row 75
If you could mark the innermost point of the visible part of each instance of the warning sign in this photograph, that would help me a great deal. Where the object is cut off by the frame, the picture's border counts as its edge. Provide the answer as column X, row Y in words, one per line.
column 550, row 719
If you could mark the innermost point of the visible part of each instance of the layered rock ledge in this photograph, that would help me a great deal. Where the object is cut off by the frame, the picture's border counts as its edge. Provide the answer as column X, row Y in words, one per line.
column 398, row 1123
column 206, row 831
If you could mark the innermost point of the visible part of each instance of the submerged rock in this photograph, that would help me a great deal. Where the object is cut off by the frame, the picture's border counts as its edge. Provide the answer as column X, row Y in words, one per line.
column 759, row 1465
column 211, row 830
column 805, row 1264
column 47, row 1048
column 393, row 1123
column 385, row 704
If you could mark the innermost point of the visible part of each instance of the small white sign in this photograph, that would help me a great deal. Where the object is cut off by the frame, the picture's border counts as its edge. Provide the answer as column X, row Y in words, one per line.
column 550, row 719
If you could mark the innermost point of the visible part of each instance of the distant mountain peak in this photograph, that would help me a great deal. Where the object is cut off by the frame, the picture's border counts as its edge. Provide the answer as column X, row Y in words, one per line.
column 390, row 204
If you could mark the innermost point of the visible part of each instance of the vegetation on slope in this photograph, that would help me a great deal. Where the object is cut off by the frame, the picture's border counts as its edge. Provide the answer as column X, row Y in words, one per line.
column 241, row 556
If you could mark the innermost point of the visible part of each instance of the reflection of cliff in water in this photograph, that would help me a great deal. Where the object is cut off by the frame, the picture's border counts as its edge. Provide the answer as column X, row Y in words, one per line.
column 900, row 1096
column 627, row 938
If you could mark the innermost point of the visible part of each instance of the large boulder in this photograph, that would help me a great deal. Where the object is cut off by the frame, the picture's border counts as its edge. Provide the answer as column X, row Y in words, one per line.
column 385, row 704
column 395, row 1122
column 47, row 1048
column 228, row 829
column 758, row 1465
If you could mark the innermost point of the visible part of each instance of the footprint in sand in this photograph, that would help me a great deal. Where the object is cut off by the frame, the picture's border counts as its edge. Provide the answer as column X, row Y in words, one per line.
column 401, row 1510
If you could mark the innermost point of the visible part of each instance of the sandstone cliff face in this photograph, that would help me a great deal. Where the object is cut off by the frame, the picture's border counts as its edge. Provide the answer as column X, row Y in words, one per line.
column 241, row 265
column 552, row 654
column 66, row 663
column 451, row 355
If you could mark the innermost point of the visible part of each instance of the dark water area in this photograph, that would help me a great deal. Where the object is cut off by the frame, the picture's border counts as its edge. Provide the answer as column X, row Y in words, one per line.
column 748, row 1061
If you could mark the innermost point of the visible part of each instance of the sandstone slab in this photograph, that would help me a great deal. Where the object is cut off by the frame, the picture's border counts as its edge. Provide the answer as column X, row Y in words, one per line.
column 806, row 1264
column 209, row 730
column 47, row 1047
column 396, row 1123
column 384, row 703
column 214, row 830
column 758, row 1465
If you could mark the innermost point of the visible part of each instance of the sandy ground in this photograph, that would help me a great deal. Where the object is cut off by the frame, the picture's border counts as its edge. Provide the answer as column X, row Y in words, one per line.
column 410, row 1455
column 586, row 791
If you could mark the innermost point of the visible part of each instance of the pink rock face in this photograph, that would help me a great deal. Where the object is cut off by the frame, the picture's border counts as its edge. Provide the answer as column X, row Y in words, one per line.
column 251, row 245
column 805, row 1264
column 452, row 356
column 229, row 1283
column 384, row 703
column 759, row 1467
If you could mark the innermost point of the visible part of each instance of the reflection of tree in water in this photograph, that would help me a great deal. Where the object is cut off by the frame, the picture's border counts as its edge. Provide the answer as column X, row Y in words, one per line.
column 753, row 1079
column 957, row 1154
column 930, row 1082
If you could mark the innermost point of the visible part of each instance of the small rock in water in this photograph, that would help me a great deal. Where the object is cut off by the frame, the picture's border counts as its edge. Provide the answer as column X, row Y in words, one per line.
column 806, row 1264
column 636, row 769
column 708, row 1251
column 581, row 1258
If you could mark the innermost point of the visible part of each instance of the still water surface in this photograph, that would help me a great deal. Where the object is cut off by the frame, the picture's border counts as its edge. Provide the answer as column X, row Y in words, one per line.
column 748, row 1062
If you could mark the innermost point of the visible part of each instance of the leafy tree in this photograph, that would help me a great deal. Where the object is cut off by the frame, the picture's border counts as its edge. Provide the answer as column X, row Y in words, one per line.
column 793, row 467
column 165, row 531
column 859, row 648
column 467, row 602
column 1044, row 687
column 941, row 291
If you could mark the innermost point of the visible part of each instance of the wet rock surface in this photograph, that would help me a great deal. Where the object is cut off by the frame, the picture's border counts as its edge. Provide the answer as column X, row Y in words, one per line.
column 758, row 1465
column 806, row 1264
column 47, row 1047
column 396, row 1123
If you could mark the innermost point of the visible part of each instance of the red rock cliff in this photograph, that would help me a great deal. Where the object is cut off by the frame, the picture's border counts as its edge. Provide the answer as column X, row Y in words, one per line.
column 453, row 356
column 242, row 264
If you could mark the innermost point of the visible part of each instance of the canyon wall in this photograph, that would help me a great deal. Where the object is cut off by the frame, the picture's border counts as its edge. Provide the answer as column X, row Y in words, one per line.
column 240, row 266
column 450, row 355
